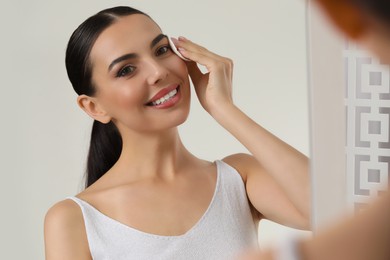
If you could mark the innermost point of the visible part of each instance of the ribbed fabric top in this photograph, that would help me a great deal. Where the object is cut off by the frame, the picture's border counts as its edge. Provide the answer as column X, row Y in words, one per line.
column 225, row 229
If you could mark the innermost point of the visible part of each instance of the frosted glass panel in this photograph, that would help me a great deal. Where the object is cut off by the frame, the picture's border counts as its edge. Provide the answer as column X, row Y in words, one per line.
column 350, row 117
column 367, row 104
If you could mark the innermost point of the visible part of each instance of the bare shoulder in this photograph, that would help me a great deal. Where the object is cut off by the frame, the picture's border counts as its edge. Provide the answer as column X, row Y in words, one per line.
column 66, row 210
column 65, row 236
column 243, row 163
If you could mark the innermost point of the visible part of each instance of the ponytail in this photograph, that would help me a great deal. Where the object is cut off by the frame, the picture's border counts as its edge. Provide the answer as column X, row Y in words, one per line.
column 380, row 8
column 104, row 150
column 106, row 142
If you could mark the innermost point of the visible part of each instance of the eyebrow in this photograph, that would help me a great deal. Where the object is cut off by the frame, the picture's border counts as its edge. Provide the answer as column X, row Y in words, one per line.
column 154, row 42
column 157, row 39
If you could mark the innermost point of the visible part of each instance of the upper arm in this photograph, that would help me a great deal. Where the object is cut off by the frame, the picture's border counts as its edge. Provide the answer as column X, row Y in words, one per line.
column 65, row 236
column 265, row 194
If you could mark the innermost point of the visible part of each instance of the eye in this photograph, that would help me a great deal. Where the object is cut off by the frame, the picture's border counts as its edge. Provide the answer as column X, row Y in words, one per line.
column 125, row 71
column 162, row 50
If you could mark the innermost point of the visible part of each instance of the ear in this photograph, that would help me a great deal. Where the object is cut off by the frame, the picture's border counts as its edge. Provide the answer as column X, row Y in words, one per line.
column 346, row 16
column 93, row 109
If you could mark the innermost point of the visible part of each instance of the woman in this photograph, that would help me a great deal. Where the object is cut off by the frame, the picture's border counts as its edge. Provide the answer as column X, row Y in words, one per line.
column 147, row 196
column 367, row 236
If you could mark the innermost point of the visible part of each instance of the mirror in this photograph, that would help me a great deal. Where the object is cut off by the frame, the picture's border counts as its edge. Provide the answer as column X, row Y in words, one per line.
column 45, row 135
column 353, row 165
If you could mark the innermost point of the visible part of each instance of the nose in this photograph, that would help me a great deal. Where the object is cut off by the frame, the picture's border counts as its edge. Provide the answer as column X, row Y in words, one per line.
column 156, row 70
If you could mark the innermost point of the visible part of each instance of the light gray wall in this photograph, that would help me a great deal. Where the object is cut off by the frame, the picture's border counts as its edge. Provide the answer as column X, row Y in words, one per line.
column 44, row 135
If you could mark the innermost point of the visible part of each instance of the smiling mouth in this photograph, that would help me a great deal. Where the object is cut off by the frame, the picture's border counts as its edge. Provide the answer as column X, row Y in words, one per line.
column 165, row 98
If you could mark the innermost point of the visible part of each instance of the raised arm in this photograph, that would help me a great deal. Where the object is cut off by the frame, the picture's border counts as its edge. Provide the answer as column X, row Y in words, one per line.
column 277, row 177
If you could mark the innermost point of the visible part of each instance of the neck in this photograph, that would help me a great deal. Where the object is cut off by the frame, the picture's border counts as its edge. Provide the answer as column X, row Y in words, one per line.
column 152, row 155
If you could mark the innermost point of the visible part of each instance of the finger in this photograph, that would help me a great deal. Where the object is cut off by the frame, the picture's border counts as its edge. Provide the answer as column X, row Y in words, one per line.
column 193, row 69
column 193, row 48
column 173, row 42
column 212, row 62
column 203, row 56
column 195, row 73
column 180, row 47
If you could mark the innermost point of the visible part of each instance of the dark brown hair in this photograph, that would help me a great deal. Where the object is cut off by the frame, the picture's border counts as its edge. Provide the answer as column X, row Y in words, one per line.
column 379, row 8
column 106, row 142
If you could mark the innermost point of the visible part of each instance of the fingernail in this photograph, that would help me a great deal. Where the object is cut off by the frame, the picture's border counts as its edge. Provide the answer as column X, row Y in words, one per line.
column 182, row 38
column 174, row 40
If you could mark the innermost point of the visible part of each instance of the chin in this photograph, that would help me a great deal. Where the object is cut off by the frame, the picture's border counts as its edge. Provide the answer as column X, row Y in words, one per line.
column 175, row 119
column 182, row 117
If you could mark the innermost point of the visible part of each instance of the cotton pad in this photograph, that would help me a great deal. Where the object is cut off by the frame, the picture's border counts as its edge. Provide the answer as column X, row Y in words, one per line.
column 175, row 49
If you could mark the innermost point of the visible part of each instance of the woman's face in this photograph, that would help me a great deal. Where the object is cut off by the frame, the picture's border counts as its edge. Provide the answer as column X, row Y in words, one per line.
column 140, row 82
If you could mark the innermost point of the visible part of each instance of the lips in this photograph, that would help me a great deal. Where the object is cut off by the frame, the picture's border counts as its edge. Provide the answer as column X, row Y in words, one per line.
column 163, row 95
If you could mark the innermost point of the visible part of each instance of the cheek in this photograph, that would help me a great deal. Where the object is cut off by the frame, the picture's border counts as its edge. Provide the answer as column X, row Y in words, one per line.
column 129, row 97
column 123, row 98
column 179, row 66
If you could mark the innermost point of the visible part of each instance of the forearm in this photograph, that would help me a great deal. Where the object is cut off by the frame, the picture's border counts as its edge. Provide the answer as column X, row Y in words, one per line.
column 365, row 237
column 288, row 166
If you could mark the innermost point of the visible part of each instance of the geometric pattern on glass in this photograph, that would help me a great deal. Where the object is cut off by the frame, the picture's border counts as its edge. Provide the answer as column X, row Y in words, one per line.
column 367, row 104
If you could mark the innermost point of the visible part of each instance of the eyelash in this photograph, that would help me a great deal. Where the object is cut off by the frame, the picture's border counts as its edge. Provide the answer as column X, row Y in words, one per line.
column 167, row 47
column 122, row 72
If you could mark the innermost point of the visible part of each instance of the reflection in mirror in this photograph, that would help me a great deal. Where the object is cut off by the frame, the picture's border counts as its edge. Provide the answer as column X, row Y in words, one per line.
column 45, row 144
column 355, row 165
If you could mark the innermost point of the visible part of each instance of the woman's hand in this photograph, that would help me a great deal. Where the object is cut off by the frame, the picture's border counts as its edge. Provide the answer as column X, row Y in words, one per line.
column 214, row 88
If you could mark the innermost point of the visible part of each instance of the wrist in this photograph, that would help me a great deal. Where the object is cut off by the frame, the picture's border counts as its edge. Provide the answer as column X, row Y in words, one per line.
column 221, row 110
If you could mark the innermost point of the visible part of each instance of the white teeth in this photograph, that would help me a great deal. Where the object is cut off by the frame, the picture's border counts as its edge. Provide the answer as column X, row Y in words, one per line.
column 165, row 98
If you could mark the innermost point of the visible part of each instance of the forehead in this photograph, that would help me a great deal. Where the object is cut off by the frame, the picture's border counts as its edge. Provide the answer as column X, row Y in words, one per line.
column 126, row 35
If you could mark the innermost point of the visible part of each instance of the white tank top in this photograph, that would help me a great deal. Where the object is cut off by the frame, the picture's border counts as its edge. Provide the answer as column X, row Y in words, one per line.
column 224, row 231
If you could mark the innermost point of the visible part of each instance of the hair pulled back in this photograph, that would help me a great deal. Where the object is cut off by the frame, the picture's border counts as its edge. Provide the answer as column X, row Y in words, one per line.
column 106, row 142
column 379, row 8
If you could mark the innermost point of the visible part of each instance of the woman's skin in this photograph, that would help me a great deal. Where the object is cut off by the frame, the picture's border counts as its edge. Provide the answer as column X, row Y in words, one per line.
column 168, row 186
column 366, row 236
